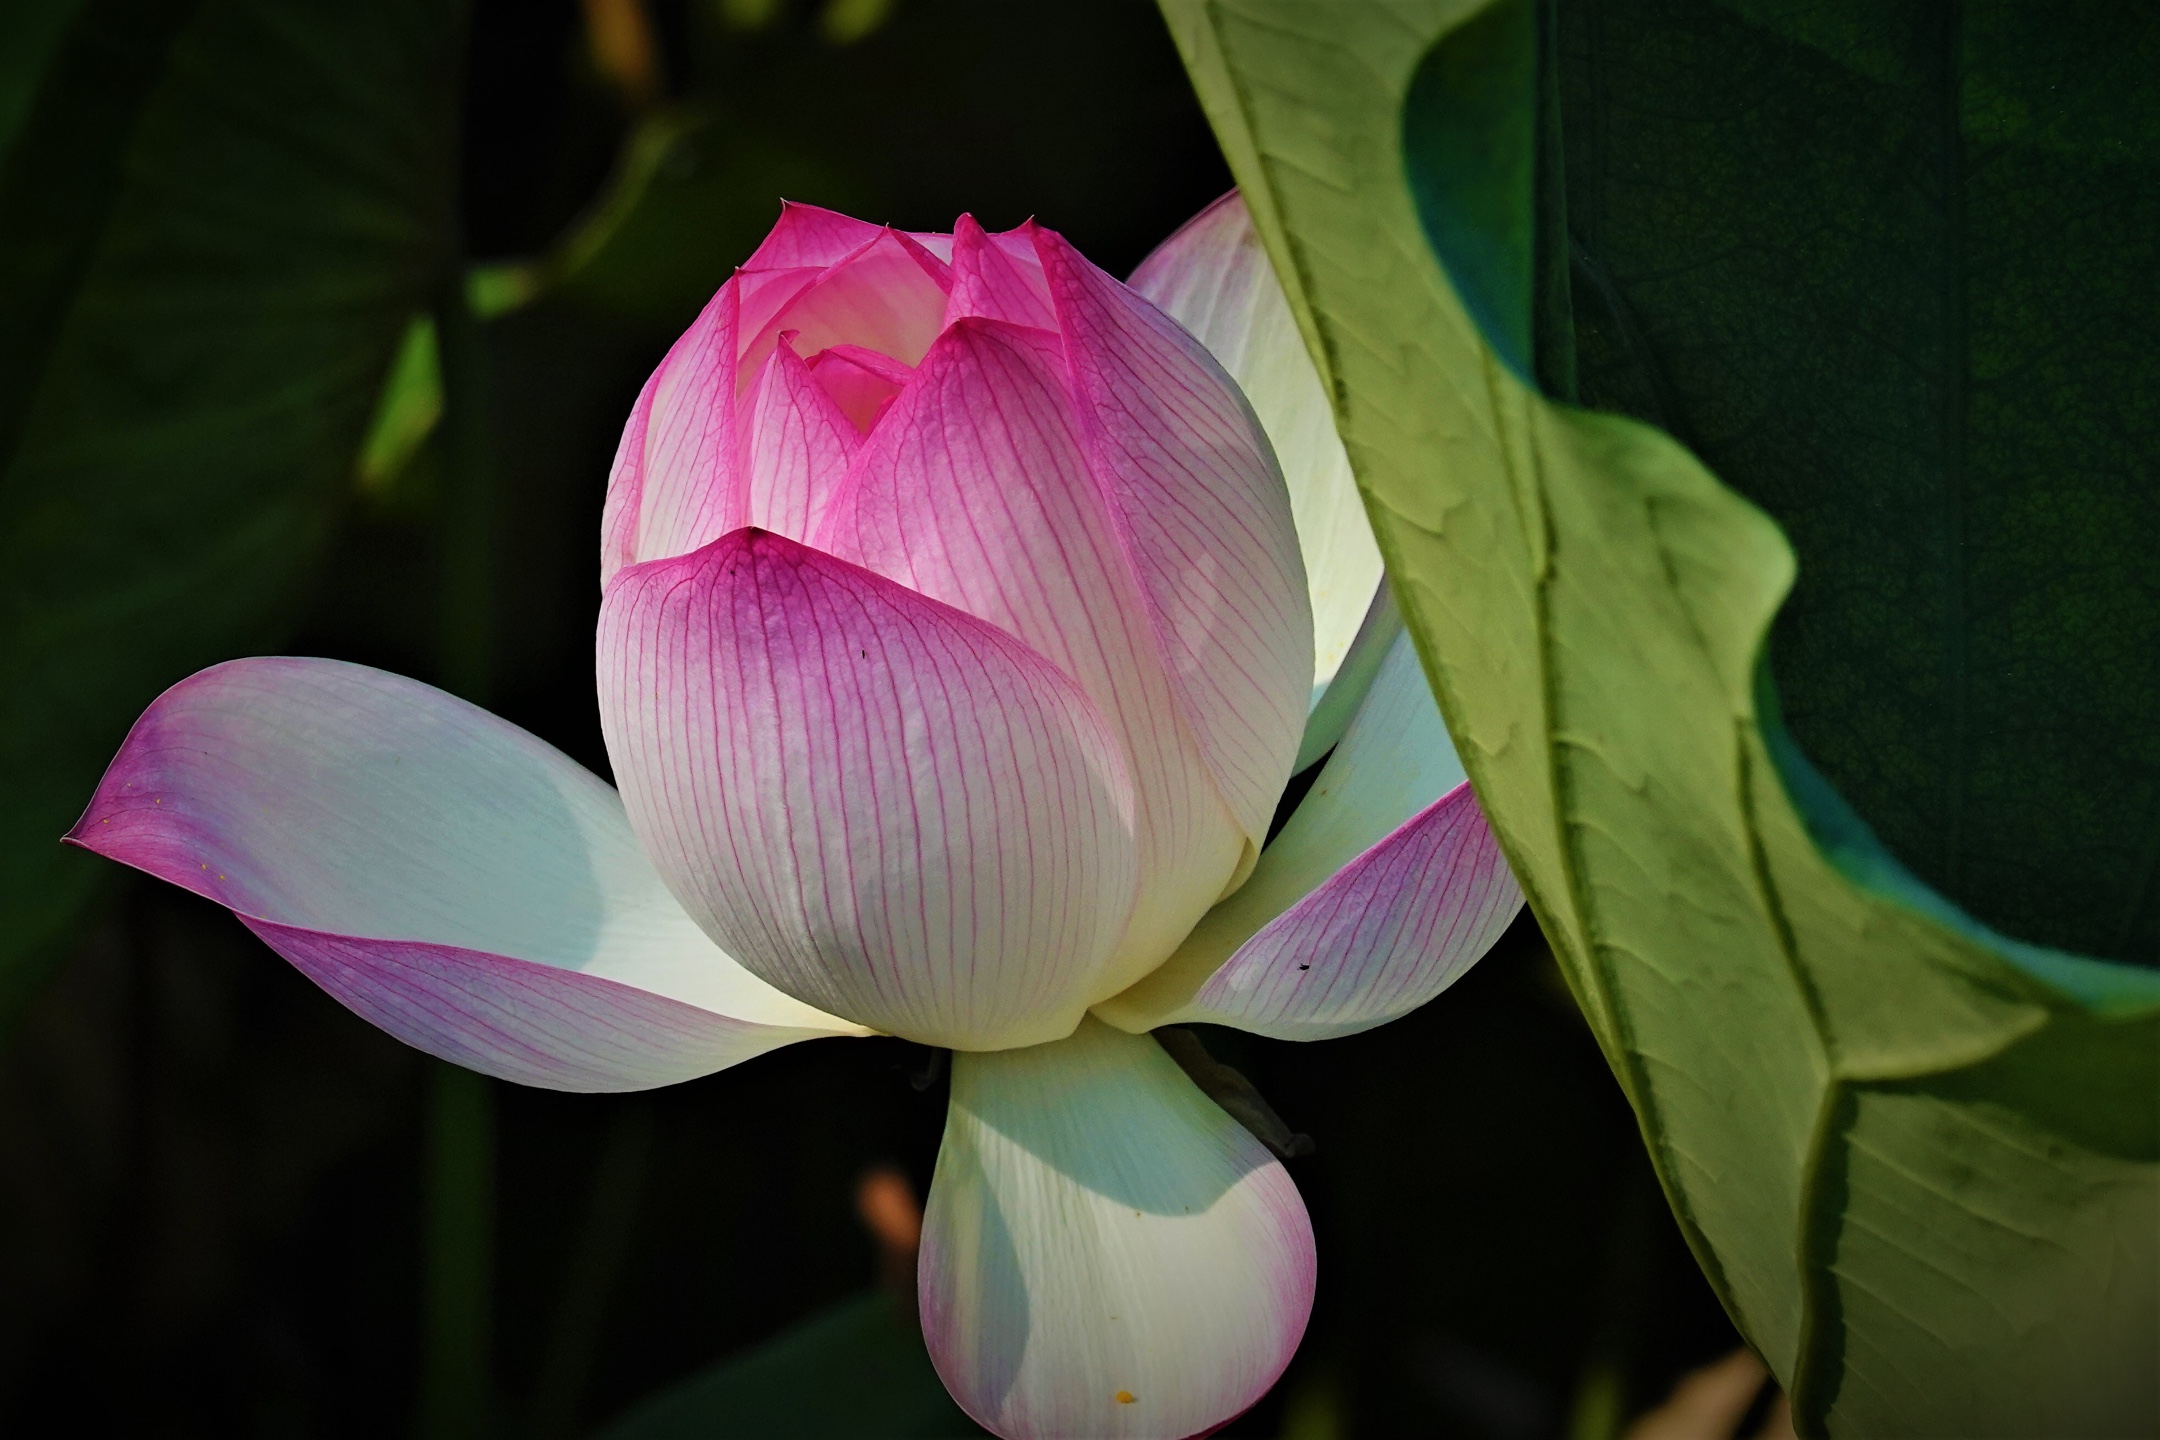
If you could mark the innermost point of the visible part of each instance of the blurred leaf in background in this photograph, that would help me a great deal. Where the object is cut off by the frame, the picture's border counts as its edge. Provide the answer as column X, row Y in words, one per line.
column 216, row 220
column 858, row 1369
column 1890, row 270
column 1931, row 362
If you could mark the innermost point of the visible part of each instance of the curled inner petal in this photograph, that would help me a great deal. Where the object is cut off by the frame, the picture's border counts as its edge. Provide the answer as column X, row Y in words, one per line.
column 861, row 382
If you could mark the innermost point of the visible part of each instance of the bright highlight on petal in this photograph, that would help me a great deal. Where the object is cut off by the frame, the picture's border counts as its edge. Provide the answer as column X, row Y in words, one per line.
column 1213, row 278
column 1383, row 888
column 448, row 876
column 888, row 807
column 1105, row 1252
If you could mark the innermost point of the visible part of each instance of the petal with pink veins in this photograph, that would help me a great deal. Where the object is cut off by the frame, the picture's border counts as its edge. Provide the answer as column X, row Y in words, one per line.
column 810, row 235
column 938, row 243
column 1202, row 512
column 1213, row 278
column 887, row 296
column 861, row 382
column 674, row 484
column 1105, row 1252
column 444, row 874
column 796, row 444
column 989, row 281
column 1384, row 887
column 878, row 800
column 976, row 490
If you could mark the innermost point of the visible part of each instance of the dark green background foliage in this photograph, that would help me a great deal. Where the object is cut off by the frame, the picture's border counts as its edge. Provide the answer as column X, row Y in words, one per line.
column 216, row 221
column 1888, row 270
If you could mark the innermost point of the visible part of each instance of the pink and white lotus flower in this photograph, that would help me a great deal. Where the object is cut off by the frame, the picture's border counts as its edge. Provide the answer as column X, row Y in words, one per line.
column 960, row 632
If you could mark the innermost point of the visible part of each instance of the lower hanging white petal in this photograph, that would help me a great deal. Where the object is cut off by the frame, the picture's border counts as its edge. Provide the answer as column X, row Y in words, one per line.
column 1106, row 1252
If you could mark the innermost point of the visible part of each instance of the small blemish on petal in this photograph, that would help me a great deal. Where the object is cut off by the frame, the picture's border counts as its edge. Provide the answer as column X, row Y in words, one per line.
column 1125, row 1397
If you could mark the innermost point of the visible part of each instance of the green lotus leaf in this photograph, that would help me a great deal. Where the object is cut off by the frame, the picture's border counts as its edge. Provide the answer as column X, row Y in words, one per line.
column 1918, row 1159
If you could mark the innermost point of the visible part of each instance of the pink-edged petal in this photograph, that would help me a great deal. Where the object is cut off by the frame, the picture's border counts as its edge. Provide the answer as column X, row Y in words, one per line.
column 446, row 875
column 887, row 296
column 810, row 235
column 1105, row 1252
column 1205, row 517
column 626, row 483
column 879, row 801
column 1383, row 888
column 1213, row 278
column 796, row 444
column 990, row 282
column 676, row 482
column 937, row 243
column 976, row 490
column 1388, row 932
column 861, row 382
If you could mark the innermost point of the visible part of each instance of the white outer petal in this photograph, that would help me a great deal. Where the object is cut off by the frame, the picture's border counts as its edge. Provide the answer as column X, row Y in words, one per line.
column 450, row 877
column 1213, row 277
column 1097, row 1228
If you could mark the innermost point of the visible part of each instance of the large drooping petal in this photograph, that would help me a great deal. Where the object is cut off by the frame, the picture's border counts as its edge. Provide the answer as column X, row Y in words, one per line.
column 446, row 875
column 1105, row 1252
column 1213, row 277
column 886, row 807
column 1383, row 888
column 975, row 489
column 1201, row 508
